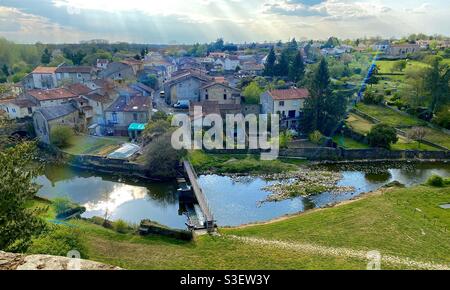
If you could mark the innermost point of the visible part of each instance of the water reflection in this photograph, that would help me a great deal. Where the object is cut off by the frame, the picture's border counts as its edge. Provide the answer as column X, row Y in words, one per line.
column 129, row 200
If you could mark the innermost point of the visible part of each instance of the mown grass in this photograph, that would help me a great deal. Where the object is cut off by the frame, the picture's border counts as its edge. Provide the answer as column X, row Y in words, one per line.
column 83, row 144
column 234, row 163
column 359, row 124
column 389, row 116
column 405, row 222
column 349, row 143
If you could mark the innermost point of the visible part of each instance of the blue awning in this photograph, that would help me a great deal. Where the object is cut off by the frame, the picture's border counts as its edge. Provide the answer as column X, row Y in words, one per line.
column 136, row 127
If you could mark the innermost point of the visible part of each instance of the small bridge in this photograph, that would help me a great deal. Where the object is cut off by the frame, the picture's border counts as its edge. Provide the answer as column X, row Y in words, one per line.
column 209, row 223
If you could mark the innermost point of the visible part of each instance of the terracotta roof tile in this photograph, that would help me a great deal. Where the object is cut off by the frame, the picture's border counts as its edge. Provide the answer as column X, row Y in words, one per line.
column 44, row 70
column 289, row 94
column 54, row 94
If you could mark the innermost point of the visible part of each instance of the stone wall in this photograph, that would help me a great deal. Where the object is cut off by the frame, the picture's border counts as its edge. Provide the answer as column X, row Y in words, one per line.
column 10, row 261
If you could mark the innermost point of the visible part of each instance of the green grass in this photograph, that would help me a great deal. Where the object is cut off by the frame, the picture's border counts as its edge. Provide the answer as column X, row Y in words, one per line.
column 349, row 143
column 437, row 137
column 405, row 222
column 359, row 124
column 405, row 144
column 234, row 163
column 389, row 116
column 83, row 144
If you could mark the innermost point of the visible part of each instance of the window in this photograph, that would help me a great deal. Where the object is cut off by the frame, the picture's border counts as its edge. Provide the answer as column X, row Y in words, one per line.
column 224, row 96
column 206, row 96
column 291, row 114
column 114, row 117
column 135, row 116
column 30, row 110
column 281, row 103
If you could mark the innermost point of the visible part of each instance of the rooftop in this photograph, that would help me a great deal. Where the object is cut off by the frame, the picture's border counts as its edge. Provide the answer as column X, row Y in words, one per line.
column 74, row 69
column 55, row 112
column 53, row 94
column 135, row 103
column 78, row 89
column 289, row 94
column 44, row 70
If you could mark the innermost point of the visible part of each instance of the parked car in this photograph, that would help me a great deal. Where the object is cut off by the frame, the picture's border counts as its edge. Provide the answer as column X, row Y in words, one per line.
column 162, row 94
column 184, row 105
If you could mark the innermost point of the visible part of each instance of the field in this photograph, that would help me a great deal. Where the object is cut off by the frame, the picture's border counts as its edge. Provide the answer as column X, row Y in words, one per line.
column 404, row 225
column 359, row 124
column 83, row 144
column 349, row 143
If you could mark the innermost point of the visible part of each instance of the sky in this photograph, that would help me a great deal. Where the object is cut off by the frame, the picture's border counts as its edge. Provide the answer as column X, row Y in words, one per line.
column 191, row 21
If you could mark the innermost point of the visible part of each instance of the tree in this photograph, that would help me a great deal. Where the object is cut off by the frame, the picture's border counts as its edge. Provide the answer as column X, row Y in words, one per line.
column 160, row 115
column 282, row 66
column 252, row 93
column 269, row 67
column 382, row 136
column 297, row 69
column 18, row 222
column 150, row 80
column 161, row 159
column 155, row 129
column 61, row 136
column 417, row 134
column 399, row 66
column 323, row 109
column 437, row 81
column 46, row 57
column 5, row 70
column 373, row 78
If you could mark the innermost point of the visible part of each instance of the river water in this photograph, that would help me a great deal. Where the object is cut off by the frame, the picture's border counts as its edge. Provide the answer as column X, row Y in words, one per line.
column 234, row 201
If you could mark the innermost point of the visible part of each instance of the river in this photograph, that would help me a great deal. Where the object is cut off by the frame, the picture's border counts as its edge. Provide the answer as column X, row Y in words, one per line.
column 234, row 201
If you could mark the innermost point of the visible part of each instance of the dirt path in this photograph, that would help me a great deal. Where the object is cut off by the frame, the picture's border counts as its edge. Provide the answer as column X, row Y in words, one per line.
column 338, row 252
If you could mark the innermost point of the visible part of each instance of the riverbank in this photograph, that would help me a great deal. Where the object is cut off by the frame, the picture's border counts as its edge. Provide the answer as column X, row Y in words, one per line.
column 404, row 223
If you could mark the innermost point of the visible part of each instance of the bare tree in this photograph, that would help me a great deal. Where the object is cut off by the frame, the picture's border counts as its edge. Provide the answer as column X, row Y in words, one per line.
column 417, row 134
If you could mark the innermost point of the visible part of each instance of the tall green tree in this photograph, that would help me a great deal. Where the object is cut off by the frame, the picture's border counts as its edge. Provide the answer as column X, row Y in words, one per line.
column 282, row 66
column 297, row 69
column 323, row 109
column 18, row 222
column 437, row 81
column 269, row 67
column 46, row 57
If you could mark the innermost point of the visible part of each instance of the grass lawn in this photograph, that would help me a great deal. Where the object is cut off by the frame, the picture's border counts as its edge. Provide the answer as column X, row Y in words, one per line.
column 387, row 65
column 349, row 143
column 234, row 163
column 84, row 144
column 405, row 222
column 389, row 116
column 437, row 137
column 406, row 144
column 359, row 124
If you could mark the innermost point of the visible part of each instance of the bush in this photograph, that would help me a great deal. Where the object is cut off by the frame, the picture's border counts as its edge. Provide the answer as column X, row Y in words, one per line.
column 62, row 205
column 435, row 181
column 382, row 136
column 371, row 98
column 58, row 241
column 121, row 227
column 285, row 139
column 61, row 136
column 316, row 137
column 443, row 118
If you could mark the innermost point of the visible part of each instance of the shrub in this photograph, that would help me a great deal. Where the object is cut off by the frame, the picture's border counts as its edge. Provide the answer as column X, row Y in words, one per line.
column 62, row 205
column 121, row 227
column 58, row 241
column 443, row 118
column 61, row 136
column 435, row 181
column 316, row 137
column 382, row 136
column 285, row 138
column 372, row 98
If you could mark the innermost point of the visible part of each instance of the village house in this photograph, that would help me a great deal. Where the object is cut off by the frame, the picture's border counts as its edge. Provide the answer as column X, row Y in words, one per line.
column 118, row 71
column 226, row 64
column 185, row 87
column 74, row 74
column 126, row 110
column 288, row 103
column 401, row 50
column 18, row 108
column 47, row 118
column 382, row 46
column 46, row 98
column 102, row 64
column 41, row 78
column 221, row 93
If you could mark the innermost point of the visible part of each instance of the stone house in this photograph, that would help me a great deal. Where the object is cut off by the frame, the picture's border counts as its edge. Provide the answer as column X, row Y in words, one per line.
column 45, row 119
column 127, row 110
column 41, row 78
column 46, row 98
column 402, row 50
column 118, row 71
column 220, row 92
column 185, row 87
column 74, row 74
column 18, row 108
column 288, row 103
